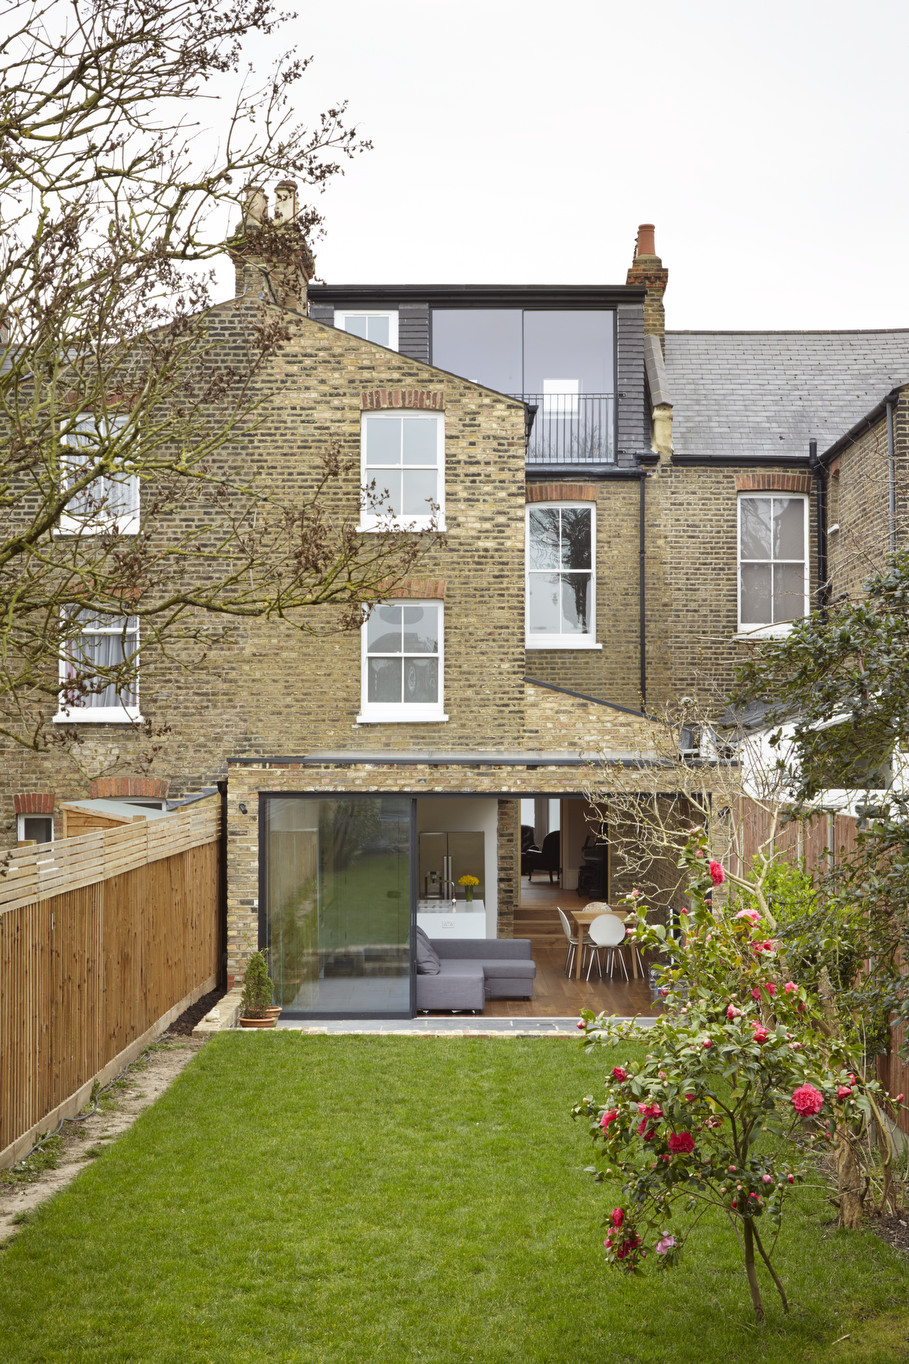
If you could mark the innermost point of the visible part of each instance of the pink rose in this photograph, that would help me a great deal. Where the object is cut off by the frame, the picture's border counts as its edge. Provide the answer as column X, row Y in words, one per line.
column 684, row 912
column 648, row 1133
column 755, row 993
column 790, row 987
column 751, row 914
column 609, row 1117
column 770, row 988
column 707, row 1042
column 619, row 1073
column 664, row 1245
column 843, row 1092
column 768, row 1179
column 580, row 1023
column 618, row 1217
column 806, row 1100
column 732, row 1011
column 681, row 1143
column 717, row 875
column 760, row 1034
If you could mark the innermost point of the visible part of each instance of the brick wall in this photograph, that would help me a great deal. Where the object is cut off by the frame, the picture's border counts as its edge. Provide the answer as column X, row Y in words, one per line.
column 858, row 502
column 266, row 687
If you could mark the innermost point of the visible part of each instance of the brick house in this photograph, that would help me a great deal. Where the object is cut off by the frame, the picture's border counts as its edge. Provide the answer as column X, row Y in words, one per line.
column 605, row 489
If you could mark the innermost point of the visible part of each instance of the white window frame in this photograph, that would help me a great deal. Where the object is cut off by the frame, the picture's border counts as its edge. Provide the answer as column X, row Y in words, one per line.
column 770, row 631
column 341, row 316
column 81, row 711
column 104, row 518
column 399, row 713
column 20, row 827
column 538, row 639
column 370, row 518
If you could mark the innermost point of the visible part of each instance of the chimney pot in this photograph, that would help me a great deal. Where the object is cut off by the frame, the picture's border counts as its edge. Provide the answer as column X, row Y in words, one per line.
column 286, row 201
column 255, row 206
column 646, row 245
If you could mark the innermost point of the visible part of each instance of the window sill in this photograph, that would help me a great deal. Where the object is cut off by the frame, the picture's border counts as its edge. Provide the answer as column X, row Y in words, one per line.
column 413, row 527
column 101, row 715
column 760, row 632
column 560, row 642
column 402, row 716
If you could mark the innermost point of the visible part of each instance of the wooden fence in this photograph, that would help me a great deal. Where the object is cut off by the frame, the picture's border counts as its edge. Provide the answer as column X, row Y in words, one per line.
column 104, row 939
column 824, row 839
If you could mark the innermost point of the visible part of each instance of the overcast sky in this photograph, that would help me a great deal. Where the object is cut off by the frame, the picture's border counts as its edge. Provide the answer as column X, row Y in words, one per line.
column 524, row 143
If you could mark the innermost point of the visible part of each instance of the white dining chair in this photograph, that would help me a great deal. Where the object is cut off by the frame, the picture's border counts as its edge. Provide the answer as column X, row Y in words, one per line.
column 606, row 933
column 572, row 941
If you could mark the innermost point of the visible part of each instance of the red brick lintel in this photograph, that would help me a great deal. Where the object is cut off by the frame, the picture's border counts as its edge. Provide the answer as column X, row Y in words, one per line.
column 560, row 492
column 780, row 483
column 34, row 803
column 378, row 398
column 419, row 589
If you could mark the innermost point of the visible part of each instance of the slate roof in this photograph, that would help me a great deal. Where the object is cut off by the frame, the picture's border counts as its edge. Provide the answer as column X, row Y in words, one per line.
column 769, row 393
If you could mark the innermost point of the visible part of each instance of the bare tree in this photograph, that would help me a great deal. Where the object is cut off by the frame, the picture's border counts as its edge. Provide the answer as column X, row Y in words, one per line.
column 111, row 385
column 693, row 773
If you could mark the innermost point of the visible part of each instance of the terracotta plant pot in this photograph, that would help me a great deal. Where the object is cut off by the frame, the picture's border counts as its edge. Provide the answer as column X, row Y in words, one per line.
column 258, row 1022
column 273, row 1011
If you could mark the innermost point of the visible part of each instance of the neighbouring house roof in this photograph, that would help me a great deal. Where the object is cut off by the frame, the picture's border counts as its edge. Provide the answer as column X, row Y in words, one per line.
column 766, row 394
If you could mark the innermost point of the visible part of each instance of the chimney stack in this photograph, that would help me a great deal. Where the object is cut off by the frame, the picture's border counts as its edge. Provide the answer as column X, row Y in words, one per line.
column 647, row 269
column 273, row 261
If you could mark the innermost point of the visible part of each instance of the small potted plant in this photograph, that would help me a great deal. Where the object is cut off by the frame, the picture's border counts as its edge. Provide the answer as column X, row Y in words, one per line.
column 468, row 882
column 256, row 1010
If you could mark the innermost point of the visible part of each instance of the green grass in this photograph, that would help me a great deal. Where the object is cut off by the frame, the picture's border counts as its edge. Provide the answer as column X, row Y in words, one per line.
column 388, row 1200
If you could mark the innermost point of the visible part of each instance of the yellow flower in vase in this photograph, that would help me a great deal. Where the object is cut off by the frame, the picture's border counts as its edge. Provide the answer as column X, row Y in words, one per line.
column 468, row 882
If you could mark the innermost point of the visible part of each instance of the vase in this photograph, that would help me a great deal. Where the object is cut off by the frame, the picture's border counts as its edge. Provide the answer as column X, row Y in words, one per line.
column 468, row 892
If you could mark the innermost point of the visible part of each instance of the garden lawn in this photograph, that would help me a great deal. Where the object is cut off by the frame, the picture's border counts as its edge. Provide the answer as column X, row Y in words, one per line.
column 380, row 1200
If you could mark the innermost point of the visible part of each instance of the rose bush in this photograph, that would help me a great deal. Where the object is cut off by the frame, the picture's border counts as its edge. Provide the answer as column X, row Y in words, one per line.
column 736, row 1069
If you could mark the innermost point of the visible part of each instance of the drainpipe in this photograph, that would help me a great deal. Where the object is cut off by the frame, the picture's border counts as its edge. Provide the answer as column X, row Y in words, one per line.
column 891, row 473
column 642, row 614
column 222, row 891
column 821, row 475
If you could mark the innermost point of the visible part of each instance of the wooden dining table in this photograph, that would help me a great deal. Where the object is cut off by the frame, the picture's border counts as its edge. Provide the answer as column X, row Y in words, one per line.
column 584, row 917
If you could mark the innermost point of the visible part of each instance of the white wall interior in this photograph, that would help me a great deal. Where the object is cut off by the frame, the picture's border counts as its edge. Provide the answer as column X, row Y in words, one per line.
column 468, row 814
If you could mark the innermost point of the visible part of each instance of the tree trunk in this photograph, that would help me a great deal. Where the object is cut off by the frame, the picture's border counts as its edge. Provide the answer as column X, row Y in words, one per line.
column 849, row 1183
column 751, row 1271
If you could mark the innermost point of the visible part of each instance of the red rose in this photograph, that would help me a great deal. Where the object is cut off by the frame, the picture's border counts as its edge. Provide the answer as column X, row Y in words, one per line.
column 761, row 1034
column 843, row 1092
column 619, row 1073
column 681, row 1143
column 618, row 1217
column 717, row 875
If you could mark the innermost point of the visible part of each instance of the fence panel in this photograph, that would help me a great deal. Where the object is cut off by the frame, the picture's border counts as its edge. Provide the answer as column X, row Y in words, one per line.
column 101, row 936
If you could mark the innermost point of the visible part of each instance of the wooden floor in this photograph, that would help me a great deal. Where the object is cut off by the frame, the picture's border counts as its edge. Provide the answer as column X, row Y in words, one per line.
column 554, row 994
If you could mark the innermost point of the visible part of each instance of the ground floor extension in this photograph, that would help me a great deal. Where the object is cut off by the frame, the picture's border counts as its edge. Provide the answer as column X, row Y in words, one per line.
column 336, row 860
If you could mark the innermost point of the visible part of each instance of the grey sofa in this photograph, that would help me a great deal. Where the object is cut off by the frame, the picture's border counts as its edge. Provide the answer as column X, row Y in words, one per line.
column 472, row 970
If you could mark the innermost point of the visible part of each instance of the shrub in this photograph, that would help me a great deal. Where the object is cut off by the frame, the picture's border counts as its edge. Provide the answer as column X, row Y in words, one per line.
column 257, row 987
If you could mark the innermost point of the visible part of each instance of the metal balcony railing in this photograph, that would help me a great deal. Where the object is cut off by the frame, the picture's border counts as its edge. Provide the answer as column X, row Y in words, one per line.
column 571, row 428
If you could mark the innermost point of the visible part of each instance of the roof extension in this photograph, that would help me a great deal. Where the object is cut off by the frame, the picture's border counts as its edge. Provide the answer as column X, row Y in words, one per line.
column 766, row 394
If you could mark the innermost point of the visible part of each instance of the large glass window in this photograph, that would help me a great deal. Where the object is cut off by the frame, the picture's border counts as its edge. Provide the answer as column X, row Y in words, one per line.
column 560, row 576
column 773, row 576
column 402, row 663
column 99, row 670
column 337, row 904
column 402, row 469
column 562, row 362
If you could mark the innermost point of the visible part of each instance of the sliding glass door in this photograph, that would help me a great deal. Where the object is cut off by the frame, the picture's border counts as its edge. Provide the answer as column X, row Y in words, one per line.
column 337, row 891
